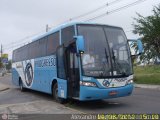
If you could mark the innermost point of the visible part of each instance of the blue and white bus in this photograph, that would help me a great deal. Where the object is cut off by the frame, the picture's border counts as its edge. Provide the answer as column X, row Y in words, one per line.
column 83, row 61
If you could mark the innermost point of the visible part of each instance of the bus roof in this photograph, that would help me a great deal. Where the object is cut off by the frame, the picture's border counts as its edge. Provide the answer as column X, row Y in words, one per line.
column 64, row 26
column 67, row 25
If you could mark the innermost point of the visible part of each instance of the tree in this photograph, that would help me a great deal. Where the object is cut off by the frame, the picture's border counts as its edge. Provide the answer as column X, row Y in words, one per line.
column 149, row 28
column 1, row 64
column 9, row 65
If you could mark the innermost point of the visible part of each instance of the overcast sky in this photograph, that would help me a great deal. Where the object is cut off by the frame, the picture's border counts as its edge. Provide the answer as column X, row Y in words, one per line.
column 22, row 18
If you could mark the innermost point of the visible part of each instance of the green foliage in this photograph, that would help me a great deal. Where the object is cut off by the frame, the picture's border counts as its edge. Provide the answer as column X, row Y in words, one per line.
column 149, row 28
column 149, row 69
column 147, row 74
column 9, row 65
column 1, row 65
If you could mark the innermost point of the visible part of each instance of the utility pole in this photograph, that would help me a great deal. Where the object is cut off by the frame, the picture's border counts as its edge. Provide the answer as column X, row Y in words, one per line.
column 47, row 28
column 1, row 57
column 1, row 54
column 1, row 51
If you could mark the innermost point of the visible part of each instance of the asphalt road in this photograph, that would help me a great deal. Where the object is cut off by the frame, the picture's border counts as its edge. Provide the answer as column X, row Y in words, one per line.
column 141, row 101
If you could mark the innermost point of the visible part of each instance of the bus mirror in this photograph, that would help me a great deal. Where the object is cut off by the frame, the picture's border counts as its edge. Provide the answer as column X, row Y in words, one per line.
column 80, row 43
column 136, row 47
column 140, row 46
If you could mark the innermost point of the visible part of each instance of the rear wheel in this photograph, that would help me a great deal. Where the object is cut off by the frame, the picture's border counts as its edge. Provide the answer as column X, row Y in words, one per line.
column 21, row 86
column 55, row 94
column 55, row 91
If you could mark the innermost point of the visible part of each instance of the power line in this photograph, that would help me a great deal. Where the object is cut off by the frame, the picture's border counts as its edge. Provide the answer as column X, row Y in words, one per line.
column 129, row 31
column 77, row 17
column 21, row 40
column 96, row 9
column 90, row 12
column 85, row 14
column 116, row 10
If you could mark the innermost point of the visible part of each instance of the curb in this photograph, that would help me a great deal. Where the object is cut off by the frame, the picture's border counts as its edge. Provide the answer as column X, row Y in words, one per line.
column 4, row 89
column 156, row 87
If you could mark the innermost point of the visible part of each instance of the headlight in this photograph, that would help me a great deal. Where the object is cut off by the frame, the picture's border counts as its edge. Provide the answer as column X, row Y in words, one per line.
column 129, row 82
column 89, row 84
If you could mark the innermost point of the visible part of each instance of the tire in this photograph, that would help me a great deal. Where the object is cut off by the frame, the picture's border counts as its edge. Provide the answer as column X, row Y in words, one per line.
column 55, row 94
column 21, row 86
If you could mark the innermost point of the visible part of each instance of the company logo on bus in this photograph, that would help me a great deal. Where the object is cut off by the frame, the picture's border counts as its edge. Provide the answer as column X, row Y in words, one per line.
column 120, row 79
column 29, row 74
column 106, row 83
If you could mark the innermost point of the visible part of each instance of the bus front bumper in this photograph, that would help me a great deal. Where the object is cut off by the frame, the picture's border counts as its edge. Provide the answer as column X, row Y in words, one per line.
column 95, row 93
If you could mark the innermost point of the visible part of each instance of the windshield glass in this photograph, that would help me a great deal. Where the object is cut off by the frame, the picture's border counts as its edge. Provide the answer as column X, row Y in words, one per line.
column 106, row 53
column 119, row 51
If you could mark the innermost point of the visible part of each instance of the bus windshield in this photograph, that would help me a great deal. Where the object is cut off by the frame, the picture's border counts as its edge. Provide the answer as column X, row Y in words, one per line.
column 106, row 51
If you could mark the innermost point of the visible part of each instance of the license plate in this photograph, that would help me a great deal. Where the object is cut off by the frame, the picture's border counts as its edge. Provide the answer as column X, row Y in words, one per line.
column 111, row 93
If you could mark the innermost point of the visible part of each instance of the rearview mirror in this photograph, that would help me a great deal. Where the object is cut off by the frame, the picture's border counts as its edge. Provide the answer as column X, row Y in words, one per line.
column 136, row 47
column 80, row 43
column 140, row 46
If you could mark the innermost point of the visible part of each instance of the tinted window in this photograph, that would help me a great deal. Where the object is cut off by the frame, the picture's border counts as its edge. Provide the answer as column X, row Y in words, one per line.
column 67, row 34
column 42, row 47
column 95, row 60
column 13, row 56
column 19, row 54
column 24, row 52
column 32, row 50
column 52, row 43
column 35, row 49
column 60, row 63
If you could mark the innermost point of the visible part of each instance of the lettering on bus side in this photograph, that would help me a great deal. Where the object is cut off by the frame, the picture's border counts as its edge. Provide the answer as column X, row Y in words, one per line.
column 45, row 62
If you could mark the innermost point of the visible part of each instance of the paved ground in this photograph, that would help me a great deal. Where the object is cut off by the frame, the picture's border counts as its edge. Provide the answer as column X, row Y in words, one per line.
column 3, row 87
column 141, row 101
column 36, row 107
column 30, row 105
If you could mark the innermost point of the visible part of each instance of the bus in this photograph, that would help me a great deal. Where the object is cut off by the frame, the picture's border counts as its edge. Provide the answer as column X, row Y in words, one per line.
column 83, row 61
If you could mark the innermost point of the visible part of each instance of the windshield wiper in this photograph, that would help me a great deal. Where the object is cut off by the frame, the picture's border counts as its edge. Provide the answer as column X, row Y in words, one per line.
column 113, row 57
column 106, row 55
column 102, row 74
column 117, row 65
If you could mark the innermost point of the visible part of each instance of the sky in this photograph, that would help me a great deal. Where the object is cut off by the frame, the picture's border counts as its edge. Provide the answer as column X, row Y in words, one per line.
column 20, row 19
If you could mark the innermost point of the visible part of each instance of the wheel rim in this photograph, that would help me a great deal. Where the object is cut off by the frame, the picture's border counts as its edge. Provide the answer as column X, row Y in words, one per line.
column 21, row 87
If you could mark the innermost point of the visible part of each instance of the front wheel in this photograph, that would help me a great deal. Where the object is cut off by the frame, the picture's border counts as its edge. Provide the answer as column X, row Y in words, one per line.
column 55, row 94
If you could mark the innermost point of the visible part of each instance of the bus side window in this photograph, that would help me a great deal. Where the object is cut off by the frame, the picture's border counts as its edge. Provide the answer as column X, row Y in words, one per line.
column 67, row 34
column 60, row 63
column 52, row 43
column 42, row 47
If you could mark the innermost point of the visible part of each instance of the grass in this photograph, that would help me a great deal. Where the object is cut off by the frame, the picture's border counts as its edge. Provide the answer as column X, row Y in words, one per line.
column 147, row 74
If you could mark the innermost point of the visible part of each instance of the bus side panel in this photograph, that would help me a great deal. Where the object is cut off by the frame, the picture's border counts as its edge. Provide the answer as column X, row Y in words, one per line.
column 17, row 72
column 44, row 73
column 15, row 77
column 62, row 88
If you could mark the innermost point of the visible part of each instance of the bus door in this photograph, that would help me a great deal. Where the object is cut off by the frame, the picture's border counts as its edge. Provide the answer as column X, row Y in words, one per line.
column 72, row 71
